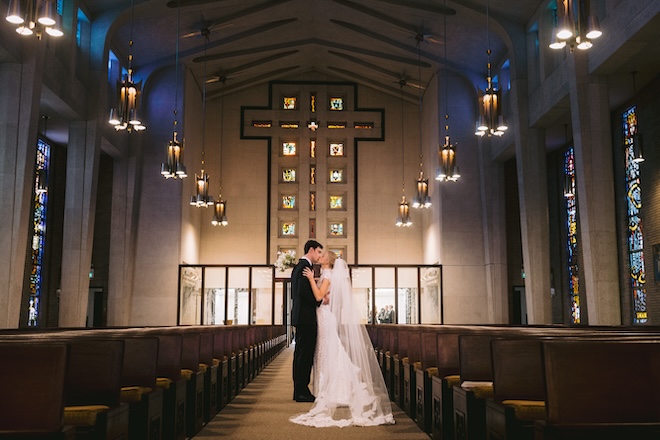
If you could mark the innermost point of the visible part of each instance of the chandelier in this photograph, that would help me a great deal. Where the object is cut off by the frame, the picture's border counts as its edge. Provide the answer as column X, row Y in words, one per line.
column 173, row 166
column 220, row 213
column 125, row 116
column 422, row 198
column 403, row 217
column 491, row 121
column 571, row 28
column 201, row 199
column 34, row 17
column 447, row 169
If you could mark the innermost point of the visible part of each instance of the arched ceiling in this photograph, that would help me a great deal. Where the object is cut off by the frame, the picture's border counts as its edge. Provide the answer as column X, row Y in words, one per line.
column 380, row 43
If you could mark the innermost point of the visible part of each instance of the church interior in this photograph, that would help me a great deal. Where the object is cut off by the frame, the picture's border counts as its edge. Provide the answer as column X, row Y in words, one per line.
column 485, row 167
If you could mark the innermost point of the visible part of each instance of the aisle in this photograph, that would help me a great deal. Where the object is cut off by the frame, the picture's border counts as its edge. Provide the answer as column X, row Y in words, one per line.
column 262, row 410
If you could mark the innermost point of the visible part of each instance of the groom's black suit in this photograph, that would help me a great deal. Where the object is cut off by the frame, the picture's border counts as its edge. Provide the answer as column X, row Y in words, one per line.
column 304, row 319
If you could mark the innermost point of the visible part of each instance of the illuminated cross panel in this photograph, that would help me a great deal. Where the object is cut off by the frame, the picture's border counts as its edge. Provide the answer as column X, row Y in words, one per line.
column 313, row 129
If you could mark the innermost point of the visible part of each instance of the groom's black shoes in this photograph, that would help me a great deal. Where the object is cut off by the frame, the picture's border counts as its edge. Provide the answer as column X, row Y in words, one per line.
column 304, row 398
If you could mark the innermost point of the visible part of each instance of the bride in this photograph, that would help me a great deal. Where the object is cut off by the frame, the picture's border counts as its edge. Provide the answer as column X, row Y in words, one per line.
column 348, row 383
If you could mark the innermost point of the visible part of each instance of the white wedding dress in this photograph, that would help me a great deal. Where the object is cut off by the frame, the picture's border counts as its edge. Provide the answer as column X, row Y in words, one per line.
column 348, row 383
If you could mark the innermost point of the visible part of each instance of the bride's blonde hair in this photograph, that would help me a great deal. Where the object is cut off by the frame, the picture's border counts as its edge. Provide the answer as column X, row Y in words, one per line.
column 331, row 258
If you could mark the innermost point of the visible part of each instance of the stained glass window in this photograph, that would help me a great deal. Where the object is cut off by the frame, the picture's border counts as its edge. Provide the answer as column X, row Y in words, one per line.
column 340, row 251
column 312, row 228
column 288, row 148
column 312, row 148
column 336, row 149
column 312, row 102
column 288, row 229
column 288, row 201
column 572, row 235
column 312, row 175
column 289, row 103
column 337, row 103
column 336, row 124
column 312, row 201
column 40, row 202
column 336, row 176
column 337, row 229
column 635, row 231
column 288, row 174
column 336, row 202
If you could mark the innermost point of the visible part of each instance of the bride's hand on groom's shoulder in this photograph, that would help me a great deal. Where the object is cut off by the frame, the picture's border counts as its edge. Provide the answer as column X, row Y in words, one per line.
column 307, row 272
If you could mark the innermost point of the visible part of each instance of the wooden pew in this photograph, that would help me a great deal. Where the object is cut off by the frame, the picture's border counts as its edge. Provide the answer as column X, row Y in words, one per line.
column 171, row 381
column 601, row 389
column 233, row 364
column 426, row 369
column 399, row 355
column 194, row 374
column 139, row 388
column 392, row 345
column 32, row 402
column 411, row 363
column 220, row 357
column 518, row 388
column 211, row 373
column 92, row 387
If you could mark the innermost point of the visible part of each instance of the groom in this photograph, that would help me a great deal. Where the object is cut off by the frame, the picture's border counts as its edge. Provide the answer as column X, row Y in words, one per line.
column 304, row 319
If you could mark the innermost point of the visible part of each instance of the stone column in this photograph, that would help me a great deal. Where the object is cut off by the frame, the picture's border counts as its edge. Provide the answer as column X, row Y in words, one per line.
column 533, row 199
column 20, row 88
column 122, row 243
column 79, row 211
column 595, row 191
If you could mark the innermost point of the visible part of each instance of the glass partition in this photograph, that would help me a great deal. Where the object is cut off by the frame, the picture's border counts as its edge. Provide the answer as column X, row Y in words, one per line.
column 216, row 295
column 237, row 295
column 362, row 289
column 190, row 295
column 384, row 291
column 407, row 296
column 431, row 305
column 262, row 295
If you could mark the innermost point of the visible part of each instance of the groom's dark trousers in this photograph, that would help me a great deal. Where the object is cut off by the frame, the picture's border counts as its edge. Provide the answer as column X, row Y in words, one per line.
column 304, row 319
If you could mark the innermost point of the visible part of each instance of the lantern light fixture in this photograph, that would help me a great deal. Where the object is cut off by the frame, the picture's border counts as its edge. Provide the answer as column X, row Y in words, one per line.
column 126, row 115
column 34, row 17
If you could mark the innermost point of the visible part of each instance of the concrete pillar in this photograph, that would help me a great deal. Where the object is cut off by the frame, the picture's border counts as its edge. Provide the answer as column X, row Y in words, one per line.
column 79, row 211
column 122, row 242
column 595, row 191
column 533, row 199
column 20, row 91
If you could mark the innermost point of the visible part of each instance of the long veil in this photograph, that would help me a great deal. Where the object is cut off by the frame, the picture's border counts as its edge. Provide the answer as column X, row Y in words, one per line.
column 356, row 341
column 348, row 382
